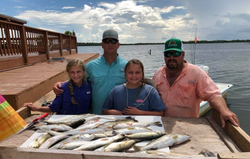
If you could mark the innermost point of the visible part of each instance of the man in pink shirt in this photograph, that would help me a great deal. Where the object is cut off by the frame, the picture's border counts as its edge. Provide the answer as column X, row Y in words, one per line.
column 182, row 86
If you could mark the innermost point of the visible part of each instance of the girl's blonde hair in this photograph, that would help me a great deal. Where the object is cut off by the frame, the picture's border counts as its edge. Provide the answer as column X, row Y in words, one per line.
column 75, row 62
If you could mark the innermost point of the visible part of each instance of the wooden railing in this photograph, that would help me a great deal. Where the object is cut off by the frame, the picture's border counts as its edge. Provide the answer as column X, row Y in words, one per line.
column 23, row 45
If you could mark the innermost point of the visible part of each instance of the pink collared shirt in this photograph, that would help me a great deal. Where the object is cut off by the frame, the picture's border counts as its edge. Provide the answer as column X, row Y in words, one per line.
column 183, row 98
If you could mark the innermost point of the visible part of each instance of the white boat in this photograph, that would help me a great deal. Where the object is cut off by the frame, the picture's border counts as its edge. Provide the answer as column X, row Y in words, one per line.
column 224, row 87
column 204, row 105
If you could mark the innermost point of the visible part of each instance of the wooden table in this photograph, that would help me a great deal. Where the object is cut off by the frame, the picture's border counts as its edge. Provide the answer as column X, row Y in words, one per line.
column 204, row 132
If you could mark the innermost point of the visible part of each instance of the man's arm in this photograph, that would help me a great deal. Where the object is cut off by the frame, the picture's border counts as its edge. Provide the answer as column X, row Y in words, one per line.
column 220, row 105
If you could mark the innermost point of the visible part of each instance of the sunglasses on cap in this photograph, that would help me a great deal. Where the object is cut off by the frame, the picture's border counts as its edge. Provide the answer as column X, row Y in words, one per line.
column 113, row 41
column 175, row 54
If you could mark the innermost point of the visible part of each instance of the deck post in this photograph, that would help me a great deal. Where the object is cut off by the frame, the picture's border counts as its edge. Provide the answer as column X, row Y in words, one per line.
column 60, row 44
column 46, row 45
column 24, row 49
column 70, row 44
column 76, row 44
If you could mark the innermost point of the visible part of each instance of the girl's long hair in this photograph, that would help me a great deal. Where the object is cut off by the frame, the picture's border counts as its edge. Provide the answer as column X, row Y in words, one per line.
column 75, row 62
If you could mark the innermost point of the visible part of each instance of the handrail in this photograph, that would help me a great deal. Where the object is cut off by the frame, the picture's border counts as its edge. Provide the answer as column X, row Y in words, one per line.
column 29, row 43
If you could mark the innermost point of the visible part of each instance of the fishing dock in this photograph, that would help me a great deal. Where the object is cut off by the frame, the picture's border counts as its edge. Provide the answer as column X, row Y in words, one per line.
column 30, row 83
column 32, row 60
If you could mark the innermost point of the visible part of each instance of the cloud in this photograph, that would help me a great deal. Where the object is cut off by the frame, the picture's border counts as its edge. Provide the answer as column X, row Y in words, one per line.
column 221, row 21
column 137, row 21
column 19, row 7
column 68, row 7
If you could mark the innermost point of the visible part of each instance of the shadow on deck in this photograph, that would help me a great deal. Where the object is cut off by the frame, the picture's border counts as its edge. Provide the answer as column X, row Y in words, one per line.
column 28, row 84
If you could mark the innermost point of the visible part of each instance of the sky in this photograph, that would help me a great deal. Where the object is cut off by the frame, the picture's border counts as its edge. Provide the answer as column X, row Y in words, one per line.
column 137, row 21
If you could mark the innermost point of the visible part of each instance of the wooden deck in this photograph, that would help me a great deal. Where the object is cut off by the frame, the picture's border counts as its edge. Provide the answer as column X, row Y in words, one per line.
column 28, row 84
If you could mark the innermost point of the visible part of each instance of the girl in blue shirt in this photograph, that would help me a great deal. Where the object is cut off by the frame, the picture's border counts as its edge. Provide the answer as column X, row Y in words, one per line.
column 76, row 97
column 134, row 97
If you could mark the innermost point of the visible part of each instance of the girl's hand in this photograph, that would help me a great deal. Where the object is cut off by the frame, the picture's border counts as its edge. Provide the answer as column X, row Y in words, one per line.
column 131, row 111
column 31, row 106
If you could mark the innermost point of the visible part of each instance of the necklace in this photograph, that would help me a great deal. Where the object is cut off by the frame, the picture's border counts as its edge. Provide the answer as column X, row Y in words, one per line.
column 137, row 95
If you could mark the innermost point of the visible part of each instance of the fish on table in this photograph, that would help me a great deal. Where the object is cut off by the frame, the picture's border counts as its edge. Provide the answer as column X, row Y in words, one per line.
column 39, row 140
column 54, row 127
column 132, row 130
column 49, row 142
column 100, row 142
column 146, row 135
column 138, row 124
column 118, row 146
column 164, row 141
column 73, row 139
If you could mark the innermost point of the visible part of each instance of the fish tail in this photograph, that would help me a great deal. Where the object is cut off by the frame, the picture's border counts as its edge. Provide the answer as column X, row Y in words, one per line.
column 131, row 118
column 137, row 148
column 158, row 123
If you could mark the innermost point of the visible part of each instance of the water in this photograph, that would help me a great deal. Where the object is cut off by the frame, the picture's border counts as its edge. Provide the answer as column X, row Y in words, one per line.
column 227, row 62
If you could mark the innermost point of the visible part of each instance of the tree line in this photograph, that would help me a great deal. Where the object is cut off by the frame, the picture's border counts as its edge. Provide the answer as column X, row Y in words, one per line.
column 187, row 42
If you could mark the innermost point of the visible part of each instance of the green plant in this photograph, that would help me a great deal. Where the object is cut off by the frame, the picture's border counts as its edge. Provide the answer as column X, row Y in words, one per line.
column 68, row 32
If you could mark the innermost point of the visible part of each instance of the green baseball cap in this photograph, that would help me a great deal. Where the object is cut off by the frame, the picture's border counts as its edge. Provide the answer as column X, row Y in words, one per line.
column 173, row 45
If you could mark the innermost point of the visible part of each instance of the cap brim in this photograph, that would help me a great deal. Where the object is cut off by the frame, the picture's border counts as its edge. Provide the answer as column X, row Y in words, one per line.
column 173, row 49
column 111, row 37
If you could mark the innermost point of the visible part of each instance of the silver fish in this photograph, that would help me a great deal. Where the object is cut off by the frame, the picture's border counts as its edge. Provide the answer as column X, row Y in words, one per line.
column 164, row 141
column 89, row 126
column 75, row 132
column 91, row 118
column 100, row 142
column 139, row 124
column 52, row 140
column 119, row 146
column 55, row 127
column 146, row 135
column 71, row 139
column 95, row 120
column 120, row 118
column 72, row 145
column 39, row 141
column 108, row 125
column 71, row 119
column 73, row 123
column 132, row 130
column 105, row 134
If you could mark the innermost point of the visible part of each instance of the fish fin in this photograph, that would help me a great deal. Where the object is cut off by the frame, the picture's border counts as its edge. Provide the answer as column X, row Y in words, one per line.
column 158, row 123
column 114, row 133
column 131, row 118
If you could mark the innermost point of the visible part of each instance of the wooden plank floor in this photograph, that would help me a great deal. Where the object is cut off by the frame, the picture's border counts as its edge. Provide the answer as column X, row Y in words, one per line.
column 28, row 84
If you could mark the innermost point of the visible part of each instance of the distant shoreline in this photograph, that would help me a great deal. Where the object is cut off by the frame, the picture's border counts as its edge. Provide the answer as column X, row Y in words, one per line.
column 185, row 42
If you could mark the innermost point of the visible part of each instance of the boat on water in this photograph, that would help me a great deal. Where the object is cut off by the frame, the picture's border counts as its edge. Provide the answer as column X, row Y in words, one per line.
column 224, row 88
